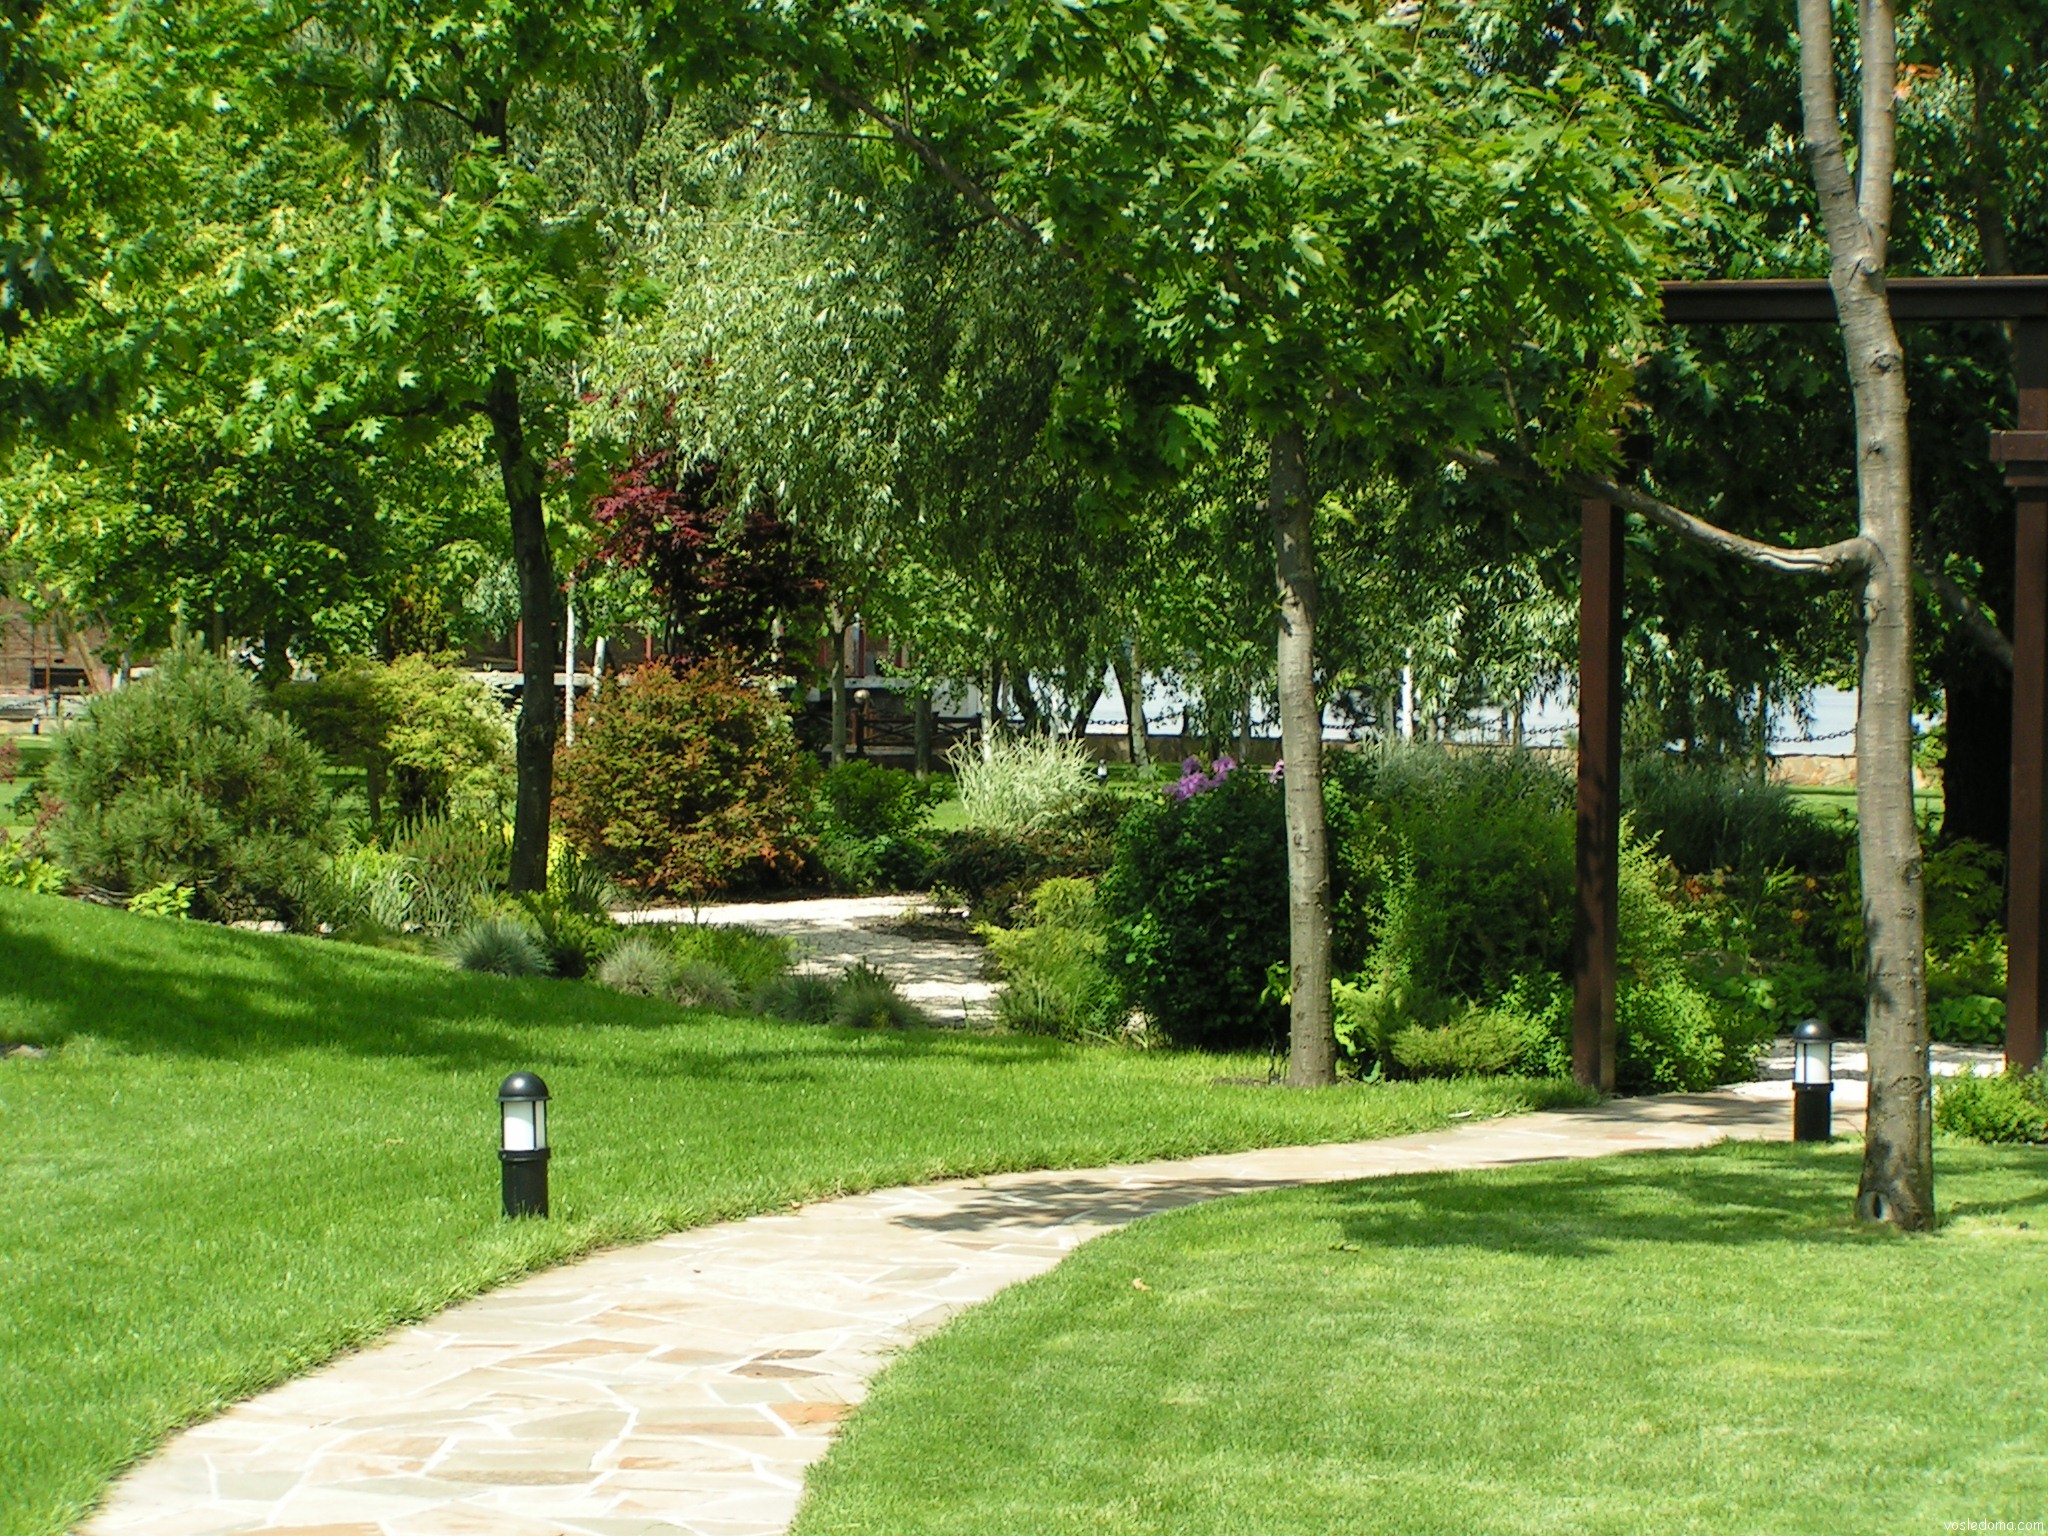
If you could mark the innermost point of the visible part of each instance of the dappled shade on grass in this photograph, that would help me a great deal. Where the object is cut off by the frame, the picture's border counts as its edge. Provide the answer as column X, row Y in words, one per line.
column 245, row 1153
column 1664, row 1342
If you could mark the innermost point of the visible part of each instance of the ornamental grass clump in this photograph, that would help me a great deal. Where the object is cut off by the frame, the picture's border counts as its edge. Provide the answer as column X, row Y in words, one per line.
column 868, row 999
column 500, row 945
column 1016, row 783
column 704, row 984
column 639, row 965
column 801, row 997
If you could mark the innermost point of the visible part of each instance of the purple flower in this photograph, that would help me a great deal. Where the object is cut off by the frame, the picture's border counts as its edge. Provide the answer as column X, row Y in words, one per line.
column 1279, row 771
column 1224, row 766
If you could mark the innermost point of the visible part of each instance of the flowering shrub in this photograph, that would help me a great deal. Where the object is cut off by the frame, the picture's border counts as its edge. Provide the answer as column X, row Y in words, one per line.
column 686, row 782
column 1193, row 781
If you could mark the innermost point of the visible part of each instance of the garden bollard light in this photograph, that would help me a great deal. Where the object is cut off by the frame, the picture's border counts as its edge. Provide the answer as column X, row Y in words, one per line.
column 1813, row 1081
column 523, row 1148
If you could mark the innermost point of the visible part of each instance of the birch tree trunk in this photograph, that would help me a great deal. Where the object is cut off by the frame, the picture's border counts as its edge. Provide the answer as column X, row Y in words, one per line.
column 1898, row 1150
column 1312, row 1044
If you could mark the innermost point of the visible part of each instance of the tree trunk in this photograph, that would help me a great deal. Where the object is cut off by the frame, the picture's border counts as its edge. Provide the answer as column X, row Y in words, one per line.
column 1130, row 682
column 836, row 751
column 1898, row 1144
column 921, row 732
column 534, row 735
column 1027, row 701
column 1312, row 1045
column 993, row 718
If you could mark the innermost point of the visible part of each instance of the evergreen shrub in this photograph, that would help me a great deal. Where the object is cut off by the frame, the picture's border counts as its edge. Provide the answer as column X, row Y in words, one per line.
column 184, row 778
column 686, row 782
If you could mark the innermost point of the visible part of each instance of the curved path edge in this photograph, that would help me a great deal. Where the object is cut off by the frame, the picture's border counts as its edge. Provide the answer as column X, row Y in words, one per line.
column 681, row 1387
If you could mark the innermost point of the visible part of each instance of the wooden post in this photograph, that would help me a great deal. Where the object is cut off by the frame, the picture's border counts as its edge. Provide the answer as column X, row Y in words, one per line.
column 1599, row 805
column 2025, row 456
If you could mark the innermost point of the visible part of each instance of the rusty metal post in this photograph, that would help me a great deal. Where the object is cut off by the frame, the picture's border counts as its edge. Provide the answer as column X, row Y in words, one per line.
column 2025, row 455
column 1599, row 808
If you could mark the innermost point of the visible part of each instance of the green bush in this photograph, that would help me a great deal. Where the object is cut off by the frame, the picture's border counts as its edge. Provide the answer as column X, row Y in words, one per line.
column 864, row 800
column 2011, row 1107
column 1484, row 842
column 1707, row 817
column 503, row 945
column 1055, row 980
column 752, row 958
column 867, row 999
column 183, row 778
column 1481, row 1042
column 801, row 997
column 686, row 782
column 574, row 939
column 639, row 965
column 1195, row 910
column 1014, row 783
column 22, row 869
column 992, row 871
column 431, row 740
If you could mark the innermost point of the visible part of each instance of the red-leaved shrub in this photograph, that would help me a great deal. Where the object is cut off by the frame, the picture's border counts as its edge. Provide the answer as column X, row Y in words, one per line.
column 686, row 782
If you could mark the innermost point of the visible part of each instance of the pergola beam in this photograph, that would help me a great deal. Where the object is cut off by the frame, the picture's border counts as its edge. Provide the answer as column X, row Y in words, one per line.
column 2019, row 301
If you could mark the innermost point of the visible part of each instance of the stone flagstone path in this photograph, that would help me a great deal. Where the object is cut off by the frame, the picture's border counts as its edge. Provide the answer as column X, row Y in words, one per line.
column 680, row 1388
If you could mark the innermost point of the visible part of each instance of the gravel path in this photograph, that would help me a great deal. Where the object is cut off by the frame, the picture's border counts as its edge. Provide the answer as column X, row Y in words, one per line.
column 943, row 975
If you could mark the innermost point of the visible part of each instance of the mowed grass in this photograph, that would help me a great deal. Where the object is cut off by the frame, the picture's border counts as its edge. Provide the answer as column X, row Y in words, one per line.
column 246, row 1153
column 1671, row 1342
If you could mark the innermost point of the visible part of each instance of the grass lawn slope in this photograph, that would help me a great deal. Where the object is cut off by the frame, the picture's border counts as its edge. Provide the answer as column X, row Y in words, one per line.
column 245, row 1153
column 1696, row 1342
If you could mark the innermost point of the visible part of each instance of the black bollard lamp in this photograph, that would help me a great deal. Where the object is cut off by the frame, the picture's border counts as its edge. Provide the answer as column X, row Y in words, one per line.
column 1813, row 1081
column 523, row 1143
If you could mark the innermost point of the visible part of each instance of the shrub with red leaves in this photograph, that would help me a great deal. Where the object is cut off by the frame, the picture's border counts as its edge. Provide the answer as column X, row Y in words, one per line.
column 687, row 782
column 724, row 575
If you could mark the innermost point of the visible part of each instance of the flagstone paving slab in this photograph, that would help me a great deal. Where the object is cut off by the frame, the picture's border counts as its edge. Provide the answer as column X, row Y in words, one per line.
column 680, row 1388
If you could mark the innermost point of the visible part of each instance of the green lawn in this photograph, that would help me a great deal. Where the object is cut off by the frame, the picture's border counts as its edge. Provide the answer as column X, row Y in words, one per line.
column 1670, row 1342
column 1834, row 802
column 246, row 1153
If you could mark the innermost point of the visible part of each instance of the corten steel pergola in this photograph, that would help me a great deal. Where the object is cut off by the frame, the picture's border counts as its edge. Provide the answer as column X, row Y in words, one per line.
column 2019, row 301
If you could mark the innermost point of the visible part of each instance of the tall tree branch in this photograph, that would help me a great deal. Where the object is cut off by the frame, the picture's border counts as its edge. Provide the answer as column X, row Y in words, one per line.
column 1844, row 557
column 1876, row 140
column 1967, row 612
column 935, row 159
column 1823, row 118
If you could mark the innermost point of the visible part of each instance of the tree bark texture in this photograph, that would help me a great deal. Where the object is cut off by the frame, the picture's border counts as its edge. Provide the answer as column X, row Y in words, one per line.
column 836, row 749
column 1898, row 1150
column 1312, row 1043
column 1130, row 682
column 534, row 734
